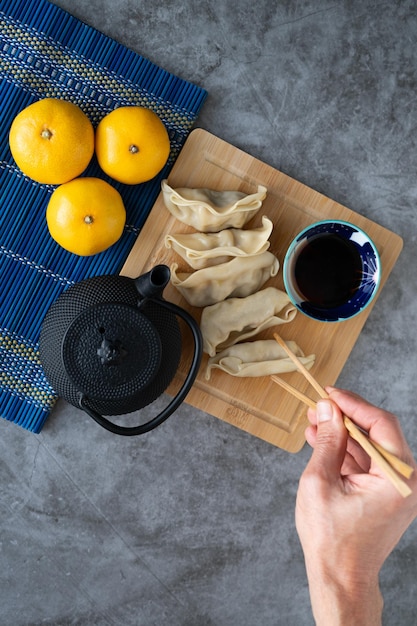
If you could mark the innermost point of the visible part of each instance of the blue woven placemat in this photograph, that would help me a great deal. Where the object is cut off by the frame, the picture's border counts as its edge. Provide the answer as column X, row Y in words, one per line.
column 46, row 52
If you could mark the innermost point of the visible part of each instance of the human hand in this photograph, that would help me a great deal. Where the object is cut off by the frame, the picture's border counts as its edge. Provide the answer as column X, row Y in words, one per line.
column 349, row 517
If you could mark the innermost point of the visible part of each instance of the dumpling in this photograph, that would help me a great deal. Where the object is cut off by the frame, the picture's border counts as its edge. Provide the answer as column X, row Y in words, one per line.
column 237, row 278
column 257, row 358
column 233, row 320
column 210, row 211
column 205, row 249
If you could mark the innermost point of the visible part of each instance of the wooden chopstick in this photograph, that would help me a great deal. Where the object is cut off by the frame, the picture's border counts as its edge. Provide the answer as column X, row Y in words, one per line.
column 298, row 394
column 399, row 465
column 313, row 382
column 374, row 452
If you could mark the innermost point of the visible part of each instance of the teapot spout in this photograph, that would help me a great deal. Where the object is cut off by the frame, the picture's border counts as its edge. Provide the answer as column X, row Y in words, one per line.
column 152, row 283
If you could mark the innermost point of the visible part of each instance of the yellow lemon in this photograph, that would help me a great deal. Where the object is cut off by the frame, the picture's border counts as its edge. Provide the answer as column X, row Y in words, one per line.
column 86, row 216
column 52, row 141
column 132, row 144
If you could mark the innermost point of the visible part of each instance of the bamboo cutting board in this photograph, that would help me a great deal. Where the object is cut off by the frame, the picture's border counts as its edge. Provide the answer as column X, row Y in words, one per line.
column 257, row 405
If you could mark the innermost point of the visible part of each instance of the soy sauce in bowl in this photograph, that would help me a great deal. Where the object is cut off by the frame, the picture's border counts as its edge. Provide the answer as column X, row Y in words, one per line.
column 328, row 270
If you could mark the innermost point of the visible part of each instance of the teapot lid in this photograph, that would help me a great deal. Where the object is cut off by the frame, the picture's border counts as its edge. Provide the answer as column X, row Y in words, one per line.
column 111, row 351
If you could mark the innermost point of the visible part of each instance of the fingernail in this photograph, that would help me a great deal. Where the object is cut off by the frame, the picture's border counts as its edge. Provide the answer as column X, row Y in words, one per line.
column 324, row 411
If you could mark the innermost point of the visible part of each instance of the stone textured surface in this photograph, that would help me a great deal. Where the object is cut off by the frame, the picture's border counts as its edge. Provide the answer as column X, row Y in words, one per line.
column 193, row 524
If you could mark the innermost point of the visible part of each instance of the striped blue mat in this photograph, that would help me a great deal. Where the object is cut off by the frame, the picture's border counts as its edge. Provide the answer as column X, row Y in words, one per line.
column 46, row 52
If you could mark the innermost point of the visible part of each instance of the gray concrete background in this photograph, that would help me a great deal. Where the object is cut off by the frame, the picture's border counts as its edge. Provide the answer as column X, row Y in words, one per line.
column 193, row 524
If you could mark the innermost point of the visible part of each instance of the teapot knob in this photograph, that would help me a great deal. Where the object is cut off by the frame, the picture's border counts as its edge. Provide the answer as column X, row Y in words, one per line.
column 111, row 352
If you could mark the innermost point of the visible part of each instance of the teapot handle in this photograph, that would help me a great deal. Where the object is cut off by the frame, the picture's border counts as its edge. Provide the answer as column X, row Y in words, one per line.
column 177, row 400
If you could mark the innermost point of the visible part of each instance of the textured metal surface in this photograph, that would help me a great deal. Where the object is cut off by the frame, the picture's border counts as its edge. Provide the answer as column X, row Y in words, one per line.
column 73, row 331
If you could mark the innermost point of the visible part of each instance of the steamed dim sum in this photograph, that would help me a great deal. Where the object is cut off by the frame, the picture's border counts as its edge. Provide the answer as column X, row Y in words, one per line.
column 257, row 358
column 208, row 210
column 239, row 277
column 236, row 319
column 205, row 249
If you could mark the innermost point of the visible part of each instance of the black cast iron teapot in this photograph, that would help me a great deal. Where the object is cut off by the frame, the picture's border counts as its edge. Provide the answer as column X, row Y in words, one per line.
column 112, row 345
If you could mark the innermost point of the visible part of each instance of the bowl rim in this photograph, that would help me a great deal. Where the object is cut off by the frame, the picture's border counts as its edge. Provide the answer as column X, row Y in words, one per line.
column 329, row 315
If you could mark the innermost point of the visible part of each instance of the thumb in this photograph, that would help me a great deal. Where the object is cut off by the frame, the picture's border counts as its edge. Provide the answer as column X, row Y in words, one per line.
column 331, row 440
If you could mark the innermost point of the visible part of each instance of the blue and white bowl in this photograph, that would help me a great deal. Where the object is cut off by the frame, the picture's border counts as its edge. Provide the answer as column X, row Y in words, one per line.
column 369, row 281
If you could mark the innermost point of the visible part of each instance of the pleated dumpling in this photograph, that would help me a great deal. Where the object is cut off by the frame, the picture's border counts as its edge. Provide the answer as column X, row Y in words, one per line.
column 236, row 319
column 205, row 249
column 208, row 210
column 257, row 358
column 237, row 278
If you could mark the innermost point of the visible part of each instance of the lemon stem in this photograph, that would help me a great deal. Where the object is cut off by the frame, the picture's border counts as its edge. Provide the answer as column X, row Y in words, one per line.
column 46, row 133
column 133, row 149
column 88, row 219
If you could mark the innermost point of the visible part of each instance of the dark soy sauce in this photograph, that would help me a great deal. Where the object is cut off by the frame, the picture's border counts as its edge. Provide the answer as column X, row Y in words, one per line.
column 328, row 270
